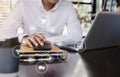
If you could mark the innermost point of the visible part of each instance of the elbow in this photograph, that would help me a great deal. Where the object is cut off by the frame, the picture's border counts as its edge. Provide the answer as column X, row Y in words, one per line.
column 78, row 38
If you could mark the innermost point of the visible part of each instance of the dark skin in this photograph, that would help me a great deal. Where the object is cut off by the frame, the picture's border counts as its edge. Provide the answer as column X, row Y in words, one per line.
column 38, row 38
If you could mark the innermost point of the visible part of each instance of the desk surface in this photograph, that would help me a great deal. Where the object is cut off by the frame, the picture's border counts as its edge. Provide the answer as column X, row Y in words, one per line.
column 72, row 67
column 103, row 62
column 100, row 63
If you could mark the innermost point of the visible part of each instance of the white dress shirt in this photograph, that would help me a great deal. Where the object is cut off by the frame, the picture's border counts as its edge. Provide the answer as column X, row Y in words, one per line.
column 33, row 18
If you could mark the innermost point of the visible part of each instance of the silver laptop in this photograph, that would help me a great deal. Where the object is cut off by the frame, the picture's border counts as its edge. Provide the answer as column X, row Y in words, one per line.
column 104, row 32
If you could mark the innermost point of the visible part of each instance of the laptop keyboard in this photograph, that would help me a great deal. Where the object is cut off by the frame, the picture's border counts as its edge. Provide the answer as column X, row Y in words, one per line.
column 73, row 47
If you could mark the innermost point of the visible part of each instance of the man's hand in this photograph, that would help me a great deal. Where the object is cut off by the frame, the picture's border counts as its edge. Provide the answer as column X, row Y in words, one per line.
column 34, row 40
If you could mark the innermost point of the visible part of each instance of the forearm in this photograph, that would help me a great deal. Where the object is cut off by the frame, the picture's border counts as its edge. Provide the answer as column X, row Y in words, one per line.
column 65, row 40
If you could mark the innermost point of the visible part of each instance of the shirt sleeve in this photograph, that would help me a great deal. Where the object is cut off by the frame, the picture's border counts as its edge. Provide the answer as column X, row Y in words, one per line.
column 9, row 28
column 74, row 30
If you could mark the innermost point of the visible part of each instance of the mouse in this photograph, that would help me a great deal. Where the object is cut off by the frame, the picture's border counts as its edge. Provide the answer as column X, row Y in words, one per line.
column 43, row 47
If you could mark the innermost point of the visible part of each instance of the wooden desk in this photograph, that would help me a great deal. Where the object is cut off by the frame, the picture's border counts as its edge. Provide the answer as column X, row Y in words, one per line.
column 73, row 67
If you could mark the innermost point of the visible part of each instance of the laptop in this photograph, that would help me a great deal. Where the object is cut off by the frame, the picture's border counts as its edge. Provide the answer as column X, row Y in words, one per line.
column 104, row 32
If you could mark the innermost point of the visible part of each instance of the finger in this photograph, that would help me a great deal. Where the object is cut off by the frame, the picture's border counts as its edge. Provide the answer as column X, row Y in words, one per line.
column 41, row 36
column 28, row 42
column 48, row 42
column 39, row 41
column 23, row 42
column 32, row 39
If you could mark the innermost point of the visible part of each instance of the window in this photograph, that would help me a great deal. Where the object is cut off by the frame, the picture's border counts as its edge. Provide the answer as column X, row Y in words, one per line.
column 84, row 9
column 4, row 10
column 87, row 10
column 5, row 7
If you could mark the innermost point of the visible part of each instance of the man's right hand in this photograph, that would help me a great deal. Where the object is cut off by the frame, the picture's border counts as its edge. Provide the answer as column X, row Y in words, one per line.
column 34, row 40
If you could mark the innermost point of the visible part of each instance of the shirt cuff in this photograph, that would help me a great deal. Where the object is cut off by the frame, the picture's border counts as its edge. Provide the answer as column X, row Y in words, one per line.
column 20, row 37
column 50, row 39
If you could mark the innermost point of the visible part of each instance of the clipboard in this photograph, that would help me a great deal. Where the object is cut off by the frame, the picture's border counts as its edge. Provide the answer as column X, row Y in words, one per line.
column 27, row 54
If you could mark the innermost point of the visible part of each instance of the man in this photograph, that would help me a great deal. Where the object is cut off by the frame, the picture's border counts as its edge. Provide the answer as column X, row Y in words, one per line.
column 43, row 21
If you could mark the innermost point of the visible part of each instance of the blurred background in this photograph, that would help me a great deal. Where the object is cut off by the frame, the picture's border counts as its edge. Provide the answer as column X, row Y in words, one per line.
column 86, row 9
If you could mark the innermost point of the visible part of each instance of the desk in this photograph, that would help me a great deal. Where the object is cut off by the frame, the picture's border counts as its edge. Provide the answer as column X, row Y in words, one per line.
column 100, row 63
column 103, row 62
column 72, row 67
